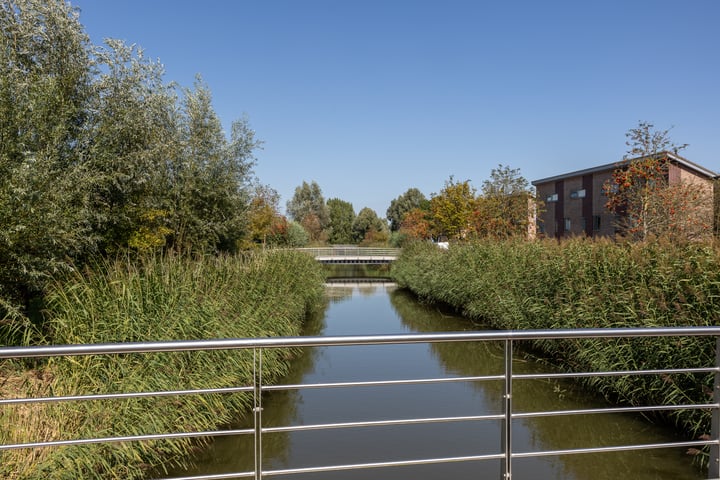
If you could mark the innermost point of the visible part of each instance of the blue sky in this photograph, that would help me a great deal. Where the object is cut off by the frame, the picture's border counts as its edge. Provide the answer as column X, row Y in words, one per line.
column 369, row 98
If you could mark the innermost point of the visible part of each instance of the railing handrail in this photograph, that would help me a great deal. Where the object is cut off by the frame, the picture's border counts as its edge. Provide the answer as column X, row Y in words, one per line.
column 291, row 342
column 351, row 251
column 508, row 415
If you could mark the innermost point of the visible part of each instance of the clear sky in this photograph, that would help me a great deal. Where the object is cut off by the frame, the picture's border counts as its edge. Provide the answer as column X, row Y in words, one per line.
column 372, row 97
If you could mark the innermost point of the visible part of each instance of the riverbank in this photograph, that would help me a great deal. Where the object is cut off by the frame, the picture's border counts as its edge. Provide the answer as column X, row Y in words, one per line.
column 588, row 284
column 169, row 298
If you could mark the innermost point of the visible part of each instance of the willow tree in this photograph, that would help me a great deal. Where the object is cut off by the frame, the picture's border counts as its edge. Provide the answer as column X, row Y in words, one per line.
column 132, row 135
column 210, row 177
column 45, row 83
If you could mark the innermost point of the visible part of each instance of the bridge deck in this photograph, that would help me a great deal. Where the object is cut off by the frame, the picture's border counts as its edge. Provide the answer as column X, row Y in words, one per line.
column 353, row 255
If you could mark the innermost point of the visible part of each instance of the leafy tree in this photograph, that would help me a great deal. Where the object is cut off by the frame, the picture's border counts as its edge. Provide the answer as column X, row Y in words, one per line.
column 297, row 236
column 502, row 210
column 342, row 216
column 45, row 83
column 452, row 209
column 417, row 224
column 132, row 135
column 406, row 202
column 211, row 178
column 369, row 228
column 644, row 200
column 311, row 224
column 263, row 217
column 308, row 200
column 98, row 154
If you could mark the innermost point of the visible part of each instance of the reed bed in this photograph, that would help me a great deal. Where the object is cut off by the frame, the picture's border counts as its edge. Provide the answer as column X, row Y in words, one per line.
column 162, row 298
column 589, row 284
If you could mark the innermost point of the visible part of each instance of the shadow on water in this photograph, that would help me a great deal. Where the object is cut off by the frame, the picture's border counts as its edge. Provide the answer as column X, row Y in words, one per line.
column 377, row 308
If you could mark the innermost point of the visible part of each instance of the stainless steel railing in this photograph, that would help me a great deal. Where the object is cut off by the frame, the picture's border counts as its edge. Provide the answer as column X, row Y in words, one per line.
column 506, row 453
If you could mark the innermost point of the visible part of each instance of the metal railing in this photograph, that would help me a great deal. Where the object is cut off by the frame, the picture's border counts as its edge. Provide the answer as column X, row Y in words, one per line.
column 352, row 254
column 506, row 453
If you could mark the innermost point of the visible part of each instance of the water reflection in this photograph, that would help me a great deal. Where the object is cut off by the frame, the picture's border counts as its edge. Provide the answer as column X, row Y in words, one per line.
column 552, row 433
column 378, row 309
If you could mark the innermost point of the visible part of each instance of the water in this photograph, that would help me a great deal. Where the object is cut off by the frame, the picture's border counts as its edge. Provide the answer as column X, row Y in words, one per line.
column 382, row 309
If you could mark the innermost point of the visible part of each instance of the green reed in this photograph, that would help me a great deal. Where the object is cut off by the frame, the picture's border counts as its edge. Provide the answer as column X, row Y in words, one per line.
column 159, row 298
column 589, row 284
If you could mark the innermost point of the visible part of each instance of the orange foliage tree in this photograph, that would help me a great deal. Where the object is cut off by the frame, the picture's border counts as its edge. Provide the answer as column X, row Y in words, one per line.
column 644, row 200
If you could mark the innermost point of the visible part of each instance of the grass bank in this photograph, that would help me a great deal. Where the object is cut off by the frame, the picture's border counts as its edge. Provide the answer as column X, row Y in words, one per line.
column 588, row 284
column 168, row 298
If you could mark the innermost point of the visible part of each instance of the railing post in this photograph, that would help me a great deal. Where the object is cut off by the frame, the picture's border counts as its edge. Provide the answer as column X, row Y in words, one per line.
column 257, row 410
column 714, row 465
column 507, row 410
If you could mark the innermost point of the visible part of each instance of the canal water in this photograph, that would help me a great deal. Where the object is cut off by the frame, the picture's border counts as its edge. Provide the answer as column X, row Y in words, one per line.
column 381, row 308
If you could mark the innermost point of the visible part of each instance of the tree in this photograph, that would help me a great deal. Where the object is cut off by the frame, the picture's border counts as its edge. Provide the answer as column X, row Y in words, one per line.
column 342, row 216
column 297, row 236
column 131, row 136
column 45, row 84
column 368, row 227
column 502, row 210
column 452, row 209
column 210, row 179
column 308, row 201
column 643, row 198
column 263, row 218
column 416, row 224
column 399, row 207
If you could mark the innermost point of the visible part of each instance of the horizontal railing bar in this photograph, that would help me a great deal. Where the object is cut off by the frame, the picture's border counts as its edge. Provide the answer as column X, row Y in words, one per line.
column 372, row 383
column 214, row 476
column 619, row 448
column 292, row 342
column 111, row 396
column 400, row 463
column 617, row 373
column 129, row 438
column 592, row 411
column 381, row 423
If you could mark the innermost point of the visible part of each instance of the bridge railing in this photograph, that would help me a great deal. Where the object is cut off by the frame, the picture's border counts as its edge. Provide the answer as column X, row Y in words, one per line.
column 351, row 251
column 506, row 450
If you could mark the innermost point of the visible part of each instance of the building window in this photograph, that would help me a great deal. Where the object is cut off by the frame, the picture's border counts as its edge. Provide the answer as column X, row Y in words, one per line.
column 552, row 198
column 567, row 224
column 578, row 193
column 613, row 188
column 596, row 223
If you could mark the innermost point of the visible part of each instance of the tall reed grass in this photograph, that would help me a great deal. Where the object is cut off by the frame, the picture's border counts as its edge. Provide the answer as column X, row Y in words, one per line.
column 161, row 298
column 588, row 284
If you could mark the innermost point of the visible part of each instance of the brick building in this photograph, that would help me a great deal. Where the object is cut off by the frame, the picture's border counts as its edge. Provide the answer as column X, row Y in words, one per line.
column 574, row 203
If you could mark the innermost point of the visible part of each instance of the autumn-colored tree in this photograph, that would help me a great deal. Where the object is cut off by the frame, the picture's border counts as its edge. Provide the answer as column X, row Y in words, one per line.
column 643, row 198
column 452, row 209
column 314, row 228
column 416, row 224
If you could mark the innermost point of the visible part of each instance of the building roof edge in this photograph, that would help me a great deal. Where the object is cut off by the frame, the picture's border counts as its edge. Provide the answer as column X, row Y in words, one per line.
column 611, row 166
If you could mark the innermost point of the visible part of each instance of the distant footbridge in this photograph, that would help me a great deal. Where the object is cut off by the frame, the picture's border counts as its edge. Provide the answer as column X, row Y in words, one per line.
column 353, row 255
